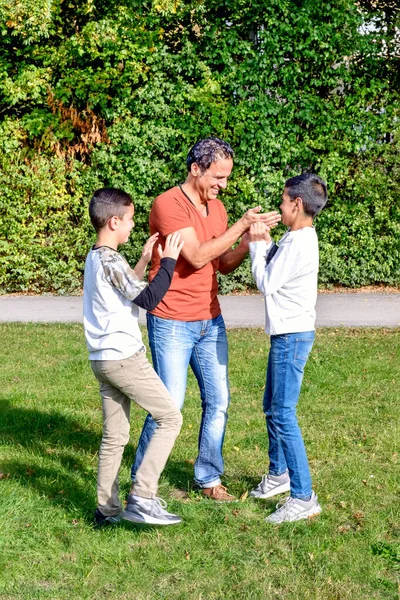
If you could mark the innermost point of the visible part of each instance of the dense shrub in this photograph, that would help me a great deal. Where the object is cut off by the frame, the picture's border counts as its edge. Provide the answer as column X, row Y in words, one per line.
column 114, row 93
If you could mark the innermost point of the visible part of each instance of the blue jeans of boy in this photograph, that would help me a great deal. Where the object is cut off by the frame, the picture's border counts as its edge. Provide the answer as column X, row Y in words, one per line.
column 203, row 345
column 287, row 358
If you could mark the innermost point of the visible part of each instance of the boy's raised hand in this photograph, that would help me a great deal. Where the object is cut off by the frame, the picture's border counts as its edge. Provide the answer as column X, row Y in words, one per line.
column 259, row 232
column 148, row 247
column 173, row 246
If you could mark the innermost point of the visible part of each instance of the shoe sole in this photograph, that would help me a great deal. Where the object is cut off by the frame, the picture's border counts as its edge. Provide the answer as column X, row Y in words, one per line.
column 281, row 489
column 219, row 500
column 317, row 511
column 147, row 519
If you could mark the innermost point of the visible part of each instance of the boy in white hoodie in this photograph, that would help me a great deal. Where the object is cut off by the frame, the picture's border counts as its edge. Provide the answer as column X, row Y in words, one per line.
column 286, row 273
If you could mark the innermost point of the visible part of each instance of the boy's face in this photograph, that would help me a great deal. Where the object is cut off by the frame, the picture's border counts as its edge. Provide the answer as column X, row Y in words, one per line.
column 288, row 209
column 125, row 225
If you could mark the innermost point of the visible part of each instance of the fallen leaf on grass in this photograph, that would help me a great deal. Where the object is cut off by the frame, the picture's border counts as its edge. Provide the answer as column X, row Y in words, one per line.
column 358, row 516
column 244, row 496
column 344, row 528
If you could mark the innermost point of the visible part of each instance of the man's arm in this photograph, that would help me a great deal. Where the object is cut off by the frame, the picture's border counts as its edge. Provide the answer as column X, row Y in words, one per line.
column 198, row 254
column 230, row 260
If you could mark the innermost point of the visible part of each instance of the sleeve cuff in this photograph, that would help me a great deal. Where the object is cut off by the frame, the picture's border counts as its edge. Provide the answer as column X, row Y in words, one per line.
column 259, row 248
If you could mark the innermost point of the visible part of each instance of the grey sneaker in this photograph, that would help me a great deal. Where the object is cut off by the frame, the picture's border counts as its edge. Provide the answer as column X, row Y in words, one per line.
column 271, row 485
column 295, row 509
column 149, row 510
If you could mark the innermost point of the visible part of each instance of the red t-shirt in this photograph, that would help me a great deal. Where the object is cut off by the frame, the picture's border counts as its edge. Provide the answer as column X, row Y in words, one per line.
column 192, row 295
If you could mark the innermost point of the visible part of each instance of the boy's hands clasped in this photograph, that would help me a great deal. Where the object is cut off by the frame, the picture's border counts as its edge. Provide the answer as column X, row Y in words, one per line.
column 259, row 232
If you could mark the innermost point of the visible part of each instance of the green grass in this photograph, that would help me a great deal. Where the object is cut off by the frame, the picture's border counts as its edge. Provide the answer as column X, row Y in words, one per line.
column 50, row 432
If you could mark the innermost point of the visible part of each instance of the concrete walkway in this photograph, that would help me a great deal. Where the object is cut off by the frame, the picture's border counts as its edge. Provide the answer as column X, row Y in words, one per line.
column 333, row 310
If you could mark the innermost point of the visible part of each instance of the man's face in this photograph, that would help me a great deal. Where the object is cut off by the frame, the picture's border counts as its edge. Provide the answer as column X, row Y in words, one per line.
column 288, row 209
column 125, row 225
column 213, row 179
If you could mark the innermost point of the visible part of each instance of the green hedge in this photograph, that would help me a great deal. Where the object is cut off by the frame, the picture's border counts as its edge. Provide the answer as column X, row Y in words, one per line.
column 114, row 93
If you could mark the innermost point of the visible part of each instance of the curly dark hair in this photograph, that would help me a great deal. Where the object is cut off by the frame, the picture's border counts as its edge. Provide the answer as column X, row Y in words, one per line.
column 207, row 151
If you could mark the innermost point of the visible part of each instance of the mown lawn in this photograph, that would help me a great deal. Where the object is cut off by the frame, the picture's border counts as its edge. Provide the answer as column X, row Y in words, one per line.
column 50, row 425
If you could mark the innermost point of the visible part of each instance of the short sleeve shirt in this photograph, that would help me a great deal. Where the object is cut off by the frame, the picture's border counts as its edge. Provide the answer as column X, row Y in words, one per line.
column 192, row 295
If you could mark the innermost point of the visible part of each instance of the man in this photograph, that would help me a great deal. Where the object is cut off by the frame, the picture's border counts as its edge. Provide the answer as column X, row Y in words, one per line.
column 187, row 328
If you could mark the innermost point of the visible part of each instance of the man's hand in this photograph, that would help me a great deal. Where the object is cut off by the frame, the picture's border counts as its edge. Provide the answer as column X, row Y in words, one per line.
column 253, row 215
column 173, row 246
column 259, row 232
column 148, row 248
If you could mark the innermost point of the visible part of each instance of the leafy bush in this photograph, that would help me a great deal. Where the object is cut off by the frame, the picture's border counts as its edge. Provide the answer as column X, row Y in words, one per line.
column 114, row 93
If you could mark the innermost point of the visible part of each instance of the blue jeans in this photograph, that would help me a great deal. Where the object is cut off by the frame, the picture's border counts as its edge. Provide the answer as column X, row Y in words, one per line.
column 204, row 346
column 287, row 358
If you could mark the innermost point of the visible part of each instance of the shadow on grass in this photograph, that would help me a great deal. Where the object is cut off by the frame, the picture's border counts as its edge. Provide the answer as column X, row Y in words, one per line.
column 61, row 466
column 59, row 469
column 26, row 427
column 58, row 444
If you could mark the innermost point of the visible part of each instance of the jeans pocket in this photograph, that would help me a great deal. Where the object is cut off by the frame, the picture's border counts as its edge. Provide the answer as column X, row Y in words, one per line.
column 302, row 350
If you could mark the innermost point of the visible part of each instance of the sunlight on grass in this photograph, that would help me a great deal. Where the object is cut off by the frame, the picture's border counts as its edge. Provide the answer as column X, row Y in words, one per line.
column 50, row 424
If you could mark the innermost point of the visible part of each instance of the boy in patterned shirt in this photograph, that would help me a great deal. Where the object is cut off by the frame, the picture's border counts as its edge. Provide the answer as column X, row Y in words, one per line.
column 113, row 293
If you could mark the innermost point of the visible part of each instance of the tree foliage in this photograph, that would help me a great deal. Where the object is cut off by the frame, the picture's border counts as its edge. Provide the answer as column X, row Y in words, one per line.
column 111, row 92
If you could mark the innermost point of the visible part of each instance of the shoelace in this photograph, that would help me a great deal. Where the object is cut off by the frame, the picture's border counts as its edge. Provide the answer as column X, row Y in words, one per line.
column 159, row 505
column 266, row 484
column 284, row 504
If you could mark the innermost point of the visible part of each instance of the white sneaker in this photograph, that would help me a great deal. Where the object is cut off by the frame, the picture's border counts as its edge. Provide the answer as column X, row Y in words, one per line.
column 295, row 509
column 271, row 485
column 149, row 510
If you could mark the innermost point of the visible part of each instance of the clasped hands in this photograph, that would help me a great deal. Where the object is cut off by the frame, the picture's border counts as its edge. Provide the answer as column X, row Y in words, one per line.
column 259, row 225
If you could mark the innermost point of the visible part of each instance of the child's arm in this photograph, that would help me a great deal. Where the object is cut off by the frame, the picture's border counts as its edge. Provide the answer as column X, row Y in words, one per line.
column 156, row 290
column 141, row 265
column 120, row 275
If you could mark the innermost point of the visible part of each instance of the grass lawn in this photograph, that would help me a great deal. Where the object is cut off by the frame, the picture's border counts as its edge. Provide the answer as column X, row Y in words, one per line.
column 50, row 425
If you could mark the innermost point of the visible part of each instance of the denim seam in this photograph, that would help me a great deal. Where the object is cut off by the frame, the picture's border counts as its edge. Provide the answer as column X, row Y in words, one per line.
column 205, row 399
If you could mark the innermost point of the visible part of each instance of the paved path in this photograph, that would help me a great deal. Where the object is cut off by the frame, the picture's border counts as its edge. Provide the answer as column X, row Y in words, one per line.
column 333, row 310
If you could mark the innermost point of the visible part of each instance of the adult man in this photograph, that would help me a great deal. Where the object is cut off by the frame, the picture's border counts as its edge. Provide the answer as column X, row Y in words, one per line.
column 187, row 328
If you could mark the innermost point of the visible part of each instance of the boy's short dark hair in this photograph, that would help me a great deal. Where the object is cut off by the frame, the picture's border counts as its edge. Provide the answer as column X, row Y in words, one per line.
column 107, row 203
column 207, row 151
column 311, row 189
